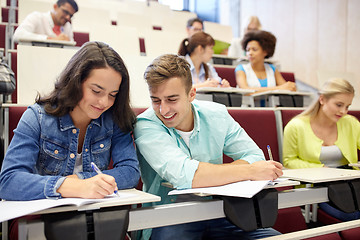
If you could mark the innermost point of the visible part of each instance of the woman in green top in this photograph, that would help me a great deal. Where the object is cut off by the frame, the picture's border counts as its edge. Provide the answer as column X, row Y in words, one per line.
column 324, row 135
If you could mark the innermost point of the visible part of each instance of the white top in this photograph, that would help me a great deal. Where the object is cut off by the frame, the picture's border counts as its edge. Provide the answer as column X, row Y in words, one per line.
column 331, row 156
column 39, row 26
column 185, row 136
column 252, row 79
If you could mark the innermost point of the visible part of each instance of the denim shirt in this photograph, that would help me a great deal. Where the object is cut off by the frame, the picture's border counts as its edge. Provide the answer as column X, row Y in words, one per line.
column 44, row 148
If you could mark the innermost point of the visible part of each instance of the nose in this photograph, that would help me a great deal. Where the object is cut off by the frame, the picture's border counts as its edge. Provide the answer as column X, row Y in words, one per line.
column 164, row 109
column 103, row 101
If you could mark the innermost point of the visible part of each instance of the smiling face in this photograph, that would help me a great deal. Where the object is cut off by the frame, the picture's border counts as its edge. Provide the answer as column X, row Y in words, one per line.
column 254, row 52
column 99, row 94
column 172, row 104
column 335, row 107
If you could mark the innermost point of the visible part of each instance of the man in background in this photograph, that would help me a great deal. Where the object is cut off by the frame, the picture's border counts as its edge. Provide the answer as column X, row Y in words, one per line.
column 55, row 24
column 194, row 25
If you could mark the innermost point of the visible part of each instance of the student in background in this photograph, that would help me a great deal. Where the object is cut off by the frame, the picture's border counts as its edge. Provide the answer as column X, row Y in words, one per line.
column 194, row 25
column 324, row 135
column 198, row 51
column 55, row 24
column 86, row 118
column 235, row 49
column 177, row 142
column 257, row 74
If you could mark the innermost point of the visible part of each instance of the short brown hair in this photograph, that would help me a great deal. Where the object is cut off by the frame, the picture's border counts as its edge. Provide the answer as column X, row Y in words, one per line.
column 266, row 40
column 168, row 66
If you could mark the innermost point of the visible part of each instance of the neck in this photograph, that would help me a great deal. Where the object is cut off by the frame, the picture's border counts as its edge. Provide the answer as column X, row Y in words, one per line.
column 79, row 122
column 258, row 66
column 322, row 120
column 197, row 62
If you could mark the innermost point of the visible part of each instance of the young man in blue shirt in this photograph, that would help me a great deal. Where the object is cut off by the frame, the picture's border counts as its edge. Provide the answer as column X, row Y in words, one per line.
column 181, row 141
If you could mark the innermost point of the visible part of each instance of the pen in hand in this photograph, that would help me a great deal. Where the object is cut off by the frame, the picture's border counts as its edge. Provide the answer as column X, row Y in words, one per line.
column 98, row 171
column 269, row 152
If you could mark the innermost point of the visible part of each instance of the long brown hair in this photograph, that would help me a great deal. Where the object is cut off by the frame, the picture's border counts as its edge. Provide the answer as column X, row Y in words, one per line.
column 188, row 46
column 68, row 87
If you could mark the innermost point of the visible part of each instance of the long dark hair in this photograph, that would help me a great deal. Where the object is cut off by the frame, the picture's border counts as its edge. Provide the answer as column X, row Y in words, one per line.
column 68, row 87
column 188, row 46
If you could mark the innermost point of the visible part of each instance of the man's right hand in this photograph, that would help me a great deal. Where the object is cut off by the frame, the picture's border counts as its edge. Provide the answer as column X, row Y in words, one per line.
column 266, row 170
column 61, row 36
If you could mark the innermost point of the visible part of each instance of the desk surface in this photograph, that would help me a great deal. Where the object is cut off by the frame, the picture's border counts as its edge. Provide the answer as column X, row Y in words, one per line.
column 14, row 209
column 318, row 175
column 224, row 90
column 47, row 41
column 281, row 92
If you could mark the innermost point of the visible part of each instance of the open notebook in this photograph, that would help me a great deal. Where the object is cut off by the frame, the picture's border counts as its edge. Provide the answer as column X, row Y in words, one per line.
column 246, row 189
column 13, row 209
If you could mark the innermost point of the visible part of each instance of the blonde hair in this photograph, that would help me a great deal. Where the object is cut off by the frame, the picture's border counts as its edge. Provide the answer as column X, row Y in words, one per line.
column 255, row 20
column 330, row 88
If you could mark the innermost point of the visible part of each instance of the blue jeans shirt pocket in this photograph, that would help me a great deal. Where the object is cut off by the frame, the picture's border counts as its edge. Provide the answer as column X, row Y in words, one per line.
column 52, row 157
column 100, row 151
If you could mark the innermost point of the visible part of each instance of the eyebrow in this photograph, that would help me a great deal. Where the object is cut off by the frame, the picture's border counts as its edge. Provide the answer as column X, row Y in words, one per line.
column 171, row 96
column 96, row 85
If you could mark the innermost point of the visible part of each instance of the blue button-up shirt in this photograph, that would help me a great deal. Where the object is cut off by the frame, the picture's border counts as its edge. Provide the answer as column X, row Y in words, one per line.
column 164, row 156
column 201, row 76
column 44, row 148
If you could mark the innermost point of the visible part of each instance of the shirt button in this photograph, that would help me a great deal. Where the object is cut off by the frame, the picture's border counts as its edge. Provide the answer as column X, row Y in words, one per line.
column 56, row 151
column 172, row 200
column 74, row 131
column 102, row 145
column 72, row 155
column 86, row 150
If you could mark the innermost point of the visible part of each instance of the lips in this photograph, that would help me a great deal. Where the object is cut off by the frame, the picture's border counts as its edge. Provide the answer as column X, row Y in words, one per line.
column 169, row 117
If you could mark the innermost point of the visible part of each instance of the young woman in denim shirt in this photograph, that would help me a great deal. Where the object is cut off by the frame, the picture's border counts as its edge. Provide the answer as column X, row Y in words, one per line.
column 86, row 118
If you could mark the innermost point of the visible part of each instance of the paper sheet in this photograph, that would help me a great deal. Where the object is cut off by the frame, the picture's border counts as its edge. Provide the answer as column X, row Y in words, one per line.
column 245, row 189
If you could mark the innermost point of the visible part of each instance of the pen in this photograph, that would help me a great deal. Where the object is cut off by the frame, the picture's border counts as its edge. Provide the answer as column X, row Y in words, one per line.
column 269, row 152
column 98, row 171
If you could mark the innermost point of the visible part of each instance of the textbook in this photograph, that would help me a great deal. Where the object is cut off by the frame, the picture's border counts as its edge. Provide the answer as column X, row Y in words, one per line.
column 220, row 46
column 14, row 209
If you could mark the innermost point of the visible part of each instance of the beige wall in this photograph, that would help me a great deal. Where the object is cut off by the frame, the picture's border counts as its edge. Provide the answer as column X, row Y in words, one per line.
column 313, row 35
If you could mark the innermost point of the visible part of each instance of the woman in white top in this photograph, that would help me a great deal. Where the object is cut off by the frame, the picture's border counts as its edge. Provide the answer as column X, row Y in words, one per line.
column 198, row 50
column 257, row 74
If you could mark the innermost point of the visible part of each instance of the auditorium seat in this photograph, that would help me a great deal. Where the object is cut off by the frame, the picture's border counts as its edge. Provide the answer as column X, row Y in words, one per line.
column 228, row 72
column 13, row 55
column 80, row 38
column 260, row 125
column 5, row 14
column 3, row 28
column 15, row 113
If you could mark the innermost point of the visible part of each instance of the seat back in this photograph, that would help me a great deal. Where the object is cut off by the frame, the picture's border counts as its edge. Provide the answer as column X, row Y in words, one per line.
column 227, row 73
column 15, row 113
column 288, row 76
column 260, row 125
column 80, row 38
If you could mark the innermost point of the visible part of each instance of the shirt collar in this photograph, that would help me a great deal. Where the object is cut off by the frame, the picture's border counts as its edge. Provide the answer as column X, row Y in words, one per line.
column 66, row 122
